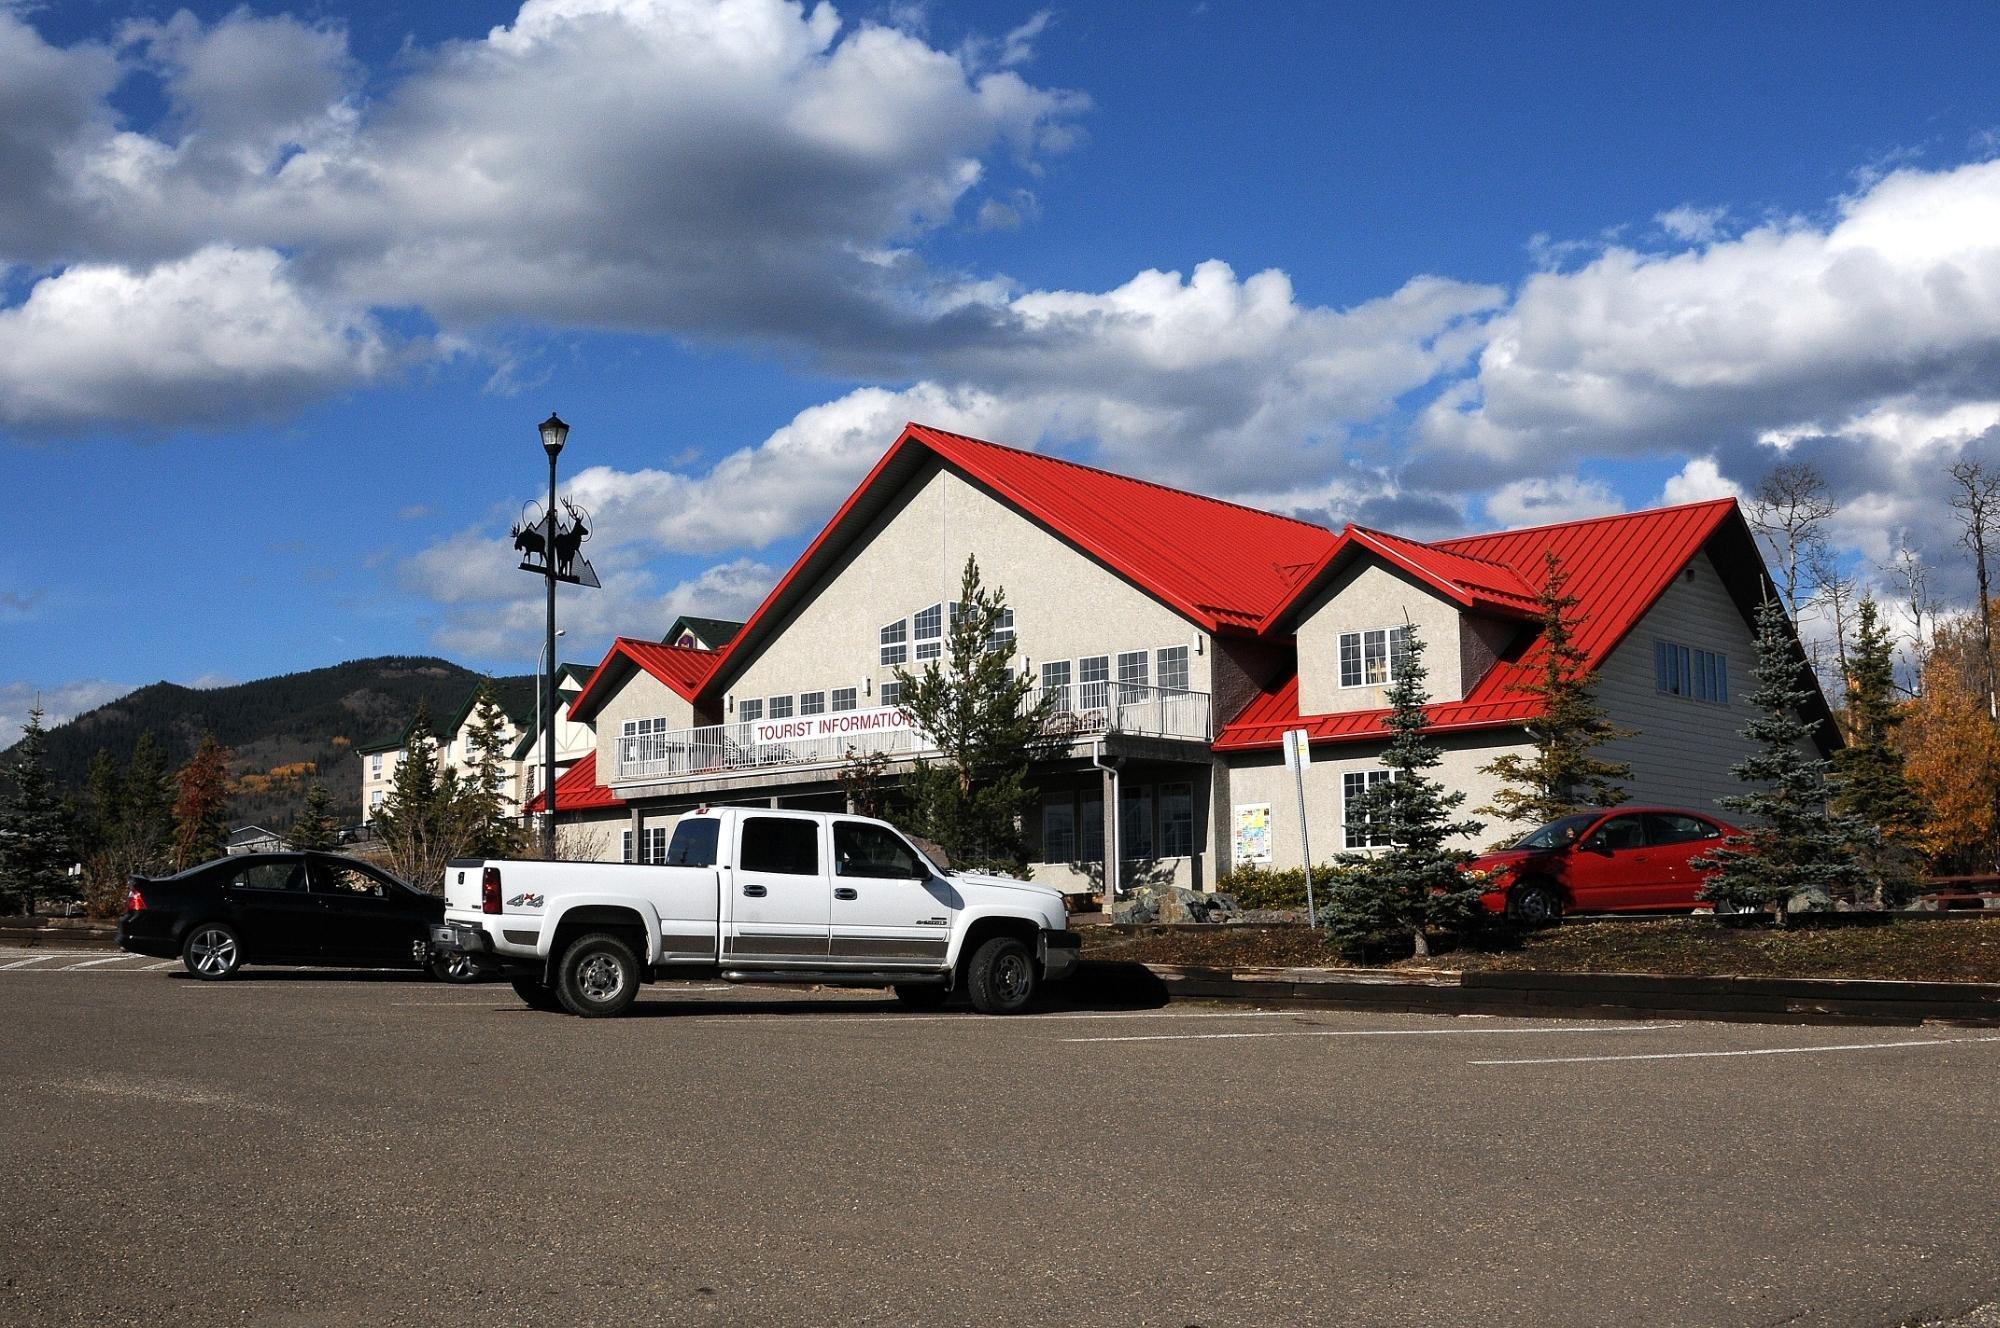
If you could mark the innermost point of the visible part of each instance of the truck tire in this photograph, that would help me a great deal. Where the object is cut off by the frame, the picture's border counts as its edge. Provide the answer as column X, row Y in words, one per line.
column 536, row 995
column 1001, row 977
column 598, row 976
column 922, row 995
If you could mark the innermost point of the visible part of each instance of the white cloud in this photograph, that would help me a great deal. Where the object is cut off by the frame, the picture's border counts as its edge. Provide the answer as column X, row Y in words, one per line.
column 1698, row 481
column 1541, row 501
column 1691, row 224
column 59, row 702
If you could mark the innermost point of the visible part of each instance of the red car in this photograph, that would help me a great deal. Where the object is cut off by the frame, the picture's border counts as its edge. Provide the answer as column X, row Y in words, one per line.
column 1624, row 860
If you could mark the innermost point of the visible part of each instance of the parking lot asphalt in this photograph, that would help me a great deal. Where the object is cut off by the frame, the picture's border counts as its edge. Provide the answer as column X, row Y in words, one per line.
column 320, row 1149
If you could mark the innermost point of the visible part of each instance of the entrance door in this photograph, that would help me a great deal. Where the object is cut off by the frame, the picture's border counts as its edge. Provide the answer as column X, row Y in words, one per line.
column 780, row 907
column 887, row 906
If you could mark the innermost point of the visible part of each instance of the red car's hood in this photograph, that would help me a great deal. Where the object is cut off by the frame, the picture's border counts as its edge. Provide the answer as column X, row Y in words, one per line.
column 1506, row 857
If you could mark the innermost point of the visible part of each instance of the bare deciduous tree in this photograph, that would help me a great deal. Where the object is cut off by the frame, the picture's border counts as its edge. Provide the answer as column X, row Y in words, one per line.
column 1977, row 503
column 1788, row 511
column 1906, row 567
column 1837, row 595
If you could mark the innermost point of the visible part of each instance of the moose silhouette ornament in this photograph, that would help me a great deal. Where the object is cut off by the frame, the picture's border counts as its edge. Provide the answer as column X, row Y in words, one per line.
column 542, row 539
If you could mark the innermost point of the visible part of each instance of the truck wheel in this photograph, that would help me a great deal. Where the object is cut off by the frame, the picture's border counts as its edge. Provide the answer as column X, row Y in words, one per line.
column 1001, row 977
column 212, row 951
column 1534, row 904
column 536, row 995
column 922, row 995
column 598, row 976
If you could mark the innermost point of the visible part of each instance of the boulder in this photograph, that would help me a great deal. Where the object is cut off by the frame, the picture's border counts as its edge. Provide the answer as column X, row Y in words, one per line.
column 1173, row 904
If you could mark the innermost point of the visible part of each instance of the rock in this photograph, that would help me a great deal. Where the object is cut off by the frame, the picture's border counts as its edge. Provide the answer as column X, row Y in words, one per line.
column 1174, row 904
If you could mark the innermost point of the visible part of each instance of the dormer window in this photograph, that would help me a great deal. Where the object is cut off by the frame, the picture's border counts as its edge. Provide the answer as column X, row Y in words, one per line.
column 928, row 631
column 1373, row 658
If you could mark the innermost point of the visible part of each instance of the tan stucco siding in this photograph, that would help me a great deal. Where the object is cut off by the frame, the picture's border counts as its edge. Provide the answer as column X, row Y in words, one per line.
column 1066, row 605
column 1262, row 778
column 1364, row 596
column 642, row 696
column 1683, row 748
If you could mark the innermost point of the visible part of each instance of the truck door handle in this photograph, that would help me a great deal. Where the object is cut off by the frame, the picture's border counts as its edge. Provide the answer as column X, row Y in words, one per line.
column 755, row 891
column 845, row 892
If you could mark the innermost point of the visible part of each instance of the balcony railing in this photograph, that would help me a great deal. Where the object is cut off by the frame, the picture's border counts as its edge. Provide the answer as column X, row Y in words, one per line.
column 1077, row 711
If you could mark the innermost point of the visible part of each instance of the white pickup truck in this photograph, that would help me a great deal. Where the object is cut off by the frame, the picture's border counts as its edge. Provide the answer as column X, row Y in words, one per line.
column 751, row 895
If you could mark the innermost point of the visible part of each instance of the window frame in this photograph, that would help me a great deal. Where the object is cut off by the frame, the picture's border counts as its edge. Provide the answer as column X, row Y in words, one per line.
column 843, row 699
column 1370, row 776
column 893, row 641
column 743, row 829
column 1179, row 655
column 1394, row 648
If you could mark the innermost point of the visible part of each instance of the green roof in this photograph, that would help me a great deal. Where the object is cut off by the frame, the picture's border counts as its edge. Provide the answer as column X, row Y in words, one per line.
column 715, row 633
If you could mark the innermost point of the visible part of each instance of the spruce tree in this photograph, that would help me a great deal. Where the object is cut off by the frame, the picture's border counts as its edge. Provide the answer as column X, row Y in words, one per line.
column 1797, row 852
column 1561, row 775
column 100, row 823
column 1871, row 783
column 1414, row 885
column 36, row 853
column 422, row 821
column 973, row 707
column 201, row 805
column 491, row 829
column 147, row 821
column 316, row 830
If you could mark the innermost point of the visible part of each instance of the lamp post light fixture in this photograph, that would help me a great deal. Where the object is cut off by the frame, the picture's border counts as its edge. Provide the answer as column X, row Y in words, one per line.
column 554, row 434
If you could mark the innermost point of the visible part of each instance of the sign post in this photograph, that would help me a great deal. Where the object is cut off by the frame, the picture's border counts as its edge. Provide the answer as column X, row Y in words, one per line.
column 555, row 544
column 1298, row 755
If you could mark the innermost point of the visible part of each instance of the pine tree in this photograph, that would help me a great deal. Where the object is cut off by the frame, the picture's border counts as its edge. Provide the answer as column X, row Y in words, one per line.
column 1799, row 852
column 35, row 841
column 201, row 805
column 1414, row 885
column 1562, row 775
column 422, row 821
column 100, row 823
column 147, row 824
column 493, row 832
column 973, row 707
column 316, row 830
column 1872, row 784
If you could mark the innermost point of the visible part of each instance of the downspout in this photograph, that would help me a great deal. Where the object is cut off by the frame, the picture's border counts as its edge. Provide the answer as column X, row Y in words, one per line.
column 1111, row 844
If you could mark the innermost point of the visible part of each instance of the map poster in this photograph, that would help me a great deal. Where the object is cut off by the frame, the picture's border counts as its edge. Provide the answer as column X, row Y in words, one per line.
column 1253, row 833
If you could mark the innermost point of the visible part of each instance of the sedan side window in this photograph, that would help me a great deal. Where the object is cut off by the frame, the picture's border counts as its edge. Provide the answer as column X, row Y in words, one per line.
column 1620, row 832
column 860, row 849
column 1673, row 828
column 269, row 876
column 346, row 882
column 779, row 845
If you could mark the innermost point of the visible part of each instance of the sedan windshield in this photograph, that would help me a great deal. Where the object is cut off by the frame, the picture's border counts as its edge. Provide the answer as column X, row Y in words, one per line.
column 1559, row 833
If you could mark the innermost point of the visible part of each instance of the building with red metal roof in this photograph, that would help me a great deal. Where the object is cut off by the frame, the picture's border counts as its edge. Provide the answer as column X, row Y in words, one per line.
column 1177, row 638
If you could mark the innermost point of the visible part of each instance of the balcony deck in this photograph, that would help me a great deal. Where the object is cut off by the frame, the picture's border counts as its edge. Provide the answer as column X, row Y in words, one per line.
column 1080, row 712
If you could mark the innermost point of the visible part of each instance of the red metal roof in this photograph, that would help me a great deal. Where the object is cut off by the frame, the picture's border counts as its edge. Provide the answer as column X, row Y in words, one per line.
column 577, row 790
column 1617, row 565
column 680, row 667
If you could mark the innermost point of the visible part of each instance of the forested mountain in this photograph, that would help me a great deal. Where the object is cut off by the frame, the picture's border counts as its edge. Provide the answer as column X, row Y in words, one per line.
column 282, row 732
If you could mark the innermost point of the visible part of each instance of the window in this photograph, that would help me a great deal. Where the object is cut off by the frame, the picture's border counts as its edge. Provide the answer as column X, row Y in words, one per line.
column 892, row 693
column 1090, row 828
column 625, row 846
column 812, row 703
column 860, row 849
column 928, row 629
column 780, row 845
column 694, row 843
column 1176, row 820
column 749, row 712
column 1059, row 828
column 893, row 637
column 1173, row 668
column 269, row 876
column 652, row 844
column 1674, row 828
column 1373, row 658
column 1135, row 823
column 843, row 699
column 375, row 766
column 346, row 882
column 1001, row 634
column 1683, row 671
column 1055, row 684
column 375, row 799
column 781, row 707
column 1092, row 674
column 1354, row 786
column 1131, row 675
column 1616, row 835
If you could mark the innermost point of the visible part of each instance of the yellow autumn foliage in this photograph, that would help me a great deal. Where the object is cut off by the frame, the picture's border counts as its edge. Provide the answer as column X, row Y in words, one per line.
column 1953, row 758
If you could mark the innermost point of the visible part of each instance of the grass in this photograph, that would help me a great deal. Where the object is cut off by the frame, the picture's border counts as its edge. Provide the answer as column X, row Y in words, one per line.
column 1955, row 950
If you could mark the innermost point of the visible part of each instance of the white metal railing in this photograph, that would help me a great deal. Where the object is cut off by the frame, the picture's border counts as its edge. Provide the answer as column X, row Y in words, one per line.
column 1079, row 710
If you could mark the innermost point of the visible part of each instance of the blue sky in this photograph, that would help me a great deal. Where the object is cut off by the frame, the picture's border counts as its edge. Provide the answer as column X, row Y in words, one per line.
column 286, row 291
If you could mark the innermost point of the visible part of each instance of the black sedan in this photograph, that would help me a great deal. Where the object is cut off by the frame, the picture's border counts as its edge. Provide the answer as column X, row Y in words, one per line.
column 284, row 908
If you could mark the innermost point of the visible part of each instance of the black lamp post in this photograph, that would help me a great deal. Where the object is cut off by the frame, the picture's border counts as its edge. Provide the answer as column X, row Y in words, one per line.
column 554, row 434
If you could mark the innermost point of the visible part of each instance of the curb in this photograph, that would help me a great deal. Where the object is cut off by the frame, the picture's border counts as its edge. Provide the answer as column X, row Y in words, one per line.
column 93, row 937
column 1589, row 995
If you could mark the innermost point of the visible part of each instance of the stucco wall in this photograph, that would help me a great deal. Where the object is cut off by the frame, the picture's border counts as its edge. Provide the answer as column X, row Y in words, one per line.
column 1065, row 604
column 1363, row 596
column 642, row 696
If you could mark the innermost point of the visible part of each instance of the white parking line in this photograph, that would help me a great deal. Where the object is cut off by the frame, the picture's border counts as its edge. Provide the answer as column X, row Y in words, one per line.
column 1375, row 1032
column 23, row 963
column 1756, row 1051
column 93, row 963
column 171, row 963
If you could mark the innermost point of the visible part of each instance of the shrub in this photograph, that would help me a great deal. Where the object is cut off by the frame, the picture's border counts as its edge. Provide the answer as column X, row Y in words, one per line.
column 1261, row 887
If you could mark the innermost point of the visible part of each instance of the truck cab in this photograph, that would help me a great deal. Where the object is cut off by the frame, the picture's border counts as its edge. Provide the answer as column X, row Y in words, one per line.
column 755, row 895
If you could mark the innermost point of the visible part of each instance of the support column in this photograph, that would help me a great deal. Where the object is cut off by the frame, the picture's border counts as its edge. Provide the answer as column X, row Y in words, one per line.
column 638, row 832
column 1113, row 850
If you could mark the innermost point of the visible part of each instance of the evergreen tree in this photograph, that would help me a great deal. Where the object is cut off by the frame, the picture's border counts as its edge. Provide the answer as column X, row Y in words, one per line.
column 422, row 821
column 316, row 829
column 1871, row 782
column 1799, row 852
column 1414, row 884
column 35, row 841
column 147, row 819
column 972, row 706
column 1561, row 775
column 492, row 829
column 100, row 824
column 201, row 805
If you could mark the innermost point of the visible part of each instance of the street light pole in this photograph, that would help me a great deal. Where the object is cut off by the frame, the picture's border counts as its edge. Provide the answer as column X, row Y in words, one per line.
column 554, row 432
